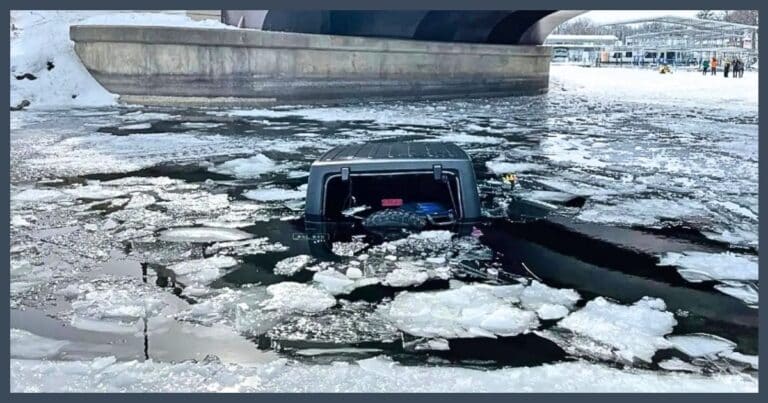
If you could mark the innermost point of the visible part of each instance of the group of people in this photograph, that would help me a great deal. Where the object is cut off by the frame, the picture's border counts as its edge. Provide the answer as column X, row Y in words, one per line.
column 736, row 66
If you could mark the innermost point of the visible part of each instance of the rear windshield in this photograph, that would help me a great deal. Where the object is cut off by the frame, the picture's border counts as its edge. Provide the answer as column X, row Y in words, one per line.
column 390, row 191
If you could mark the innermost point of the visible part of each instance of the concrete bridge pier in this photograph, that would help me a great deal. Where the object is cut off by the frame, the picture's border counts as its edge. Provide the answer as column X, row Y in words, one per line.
column 180, row 66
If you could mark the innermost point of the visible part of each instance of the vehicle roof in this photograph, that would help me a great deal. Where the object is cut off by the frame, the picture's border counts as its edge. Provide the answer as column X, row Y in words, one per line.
column 394, row 151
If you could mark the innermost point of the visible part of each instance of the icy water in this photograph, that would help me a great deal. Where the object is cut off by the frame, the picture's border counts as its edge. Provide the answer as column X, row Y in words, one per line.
column 177, row 234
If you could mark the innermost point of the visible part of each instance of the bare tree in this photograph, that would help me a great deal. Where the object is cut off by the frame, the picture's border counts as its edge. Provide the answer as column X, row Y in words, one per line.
column 748, row 17
column 578, row 26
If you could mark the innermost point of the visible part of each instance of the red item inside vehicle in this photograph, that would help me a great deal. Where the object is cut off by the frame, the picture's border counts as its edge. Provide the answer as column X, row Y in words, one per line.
column 391, row 202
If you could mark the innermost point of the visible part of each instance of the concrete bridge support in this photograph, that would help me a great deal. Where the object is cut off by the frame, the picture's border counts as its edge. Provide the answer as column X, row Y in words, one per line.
column 174, row 65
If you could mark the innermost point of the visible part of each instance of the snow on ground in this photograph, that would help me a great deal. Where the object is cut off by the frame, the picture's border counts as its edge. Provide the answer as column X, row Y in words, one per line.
column 682, row 88
column 377, row 374
column 628, row 332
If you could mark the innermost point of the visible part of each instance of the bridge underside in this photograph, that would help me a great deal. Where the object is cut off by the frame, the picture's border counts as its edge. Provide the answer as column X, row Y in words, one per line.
column 324, row 56
column 501, row 27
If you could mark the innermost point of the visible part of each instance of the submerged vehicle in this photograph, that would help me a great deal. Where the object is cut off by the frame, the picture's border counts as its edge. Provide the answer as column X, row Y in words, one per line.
column 393, row 185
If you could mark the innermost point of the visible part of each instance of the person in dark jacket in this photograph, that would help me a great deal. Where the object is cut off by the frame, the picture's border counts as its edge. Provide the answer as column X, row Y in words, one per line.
column 727, row 68
column 704, row 67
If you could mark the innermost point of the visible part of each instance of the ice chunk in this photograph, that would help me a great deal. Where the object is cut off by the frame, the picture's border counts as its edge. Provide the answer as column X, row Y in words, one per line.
column 701, row 344
column 136, row 126
column 642, row 211
column 549, row 303
column 501, row 167
column 255, row 246
column 354, row 210
column 296, row 297
column 676, row 364
column 202, row 271
column 292, row 265
column 547, row 311
column 40, row 196
column 634, row 331
column 743, row 291
column 468, row 311
column 273, row 194
column 353, row 272
column 348, row 248
column 203, row 234
column 701, row 266
column 29, row 345
column 751, row 360
column 405, row 277
column 337, row 283
column 106, row 325
column 251, row 167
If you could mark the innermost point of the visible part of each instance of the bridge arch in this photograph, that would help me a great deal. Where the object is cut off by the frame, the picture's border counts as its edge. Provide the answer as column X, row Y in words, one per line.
column 508, row 27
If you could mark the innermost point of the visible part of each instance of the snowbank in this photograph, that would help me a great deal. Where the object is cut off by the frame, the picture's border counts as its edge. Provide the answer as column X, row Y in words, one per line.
column 41, row 48
column 371, row 375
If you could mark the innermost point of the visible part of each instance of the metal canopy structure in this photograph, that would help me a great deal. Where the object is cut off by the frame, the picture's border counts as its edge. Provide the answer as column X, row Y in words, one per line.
column 688, row 39
column 690, row 33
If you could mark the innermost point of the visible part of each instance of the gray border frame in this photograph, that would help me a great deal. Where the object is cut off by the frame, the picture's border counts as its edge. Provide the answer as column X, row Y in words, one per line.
column 372, row 4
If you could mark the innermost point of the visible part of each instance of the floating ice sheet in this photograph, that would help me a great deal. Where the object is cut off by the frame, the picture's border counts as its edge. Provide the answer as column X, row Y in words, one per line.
column 467, row 311
column 702, row 266
column 273, row 194
column 28, row 345
column 701, row 345
column 203, row 234
column 292, row 265
column 633, row 331
column 251, row 167
column 202, row 271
